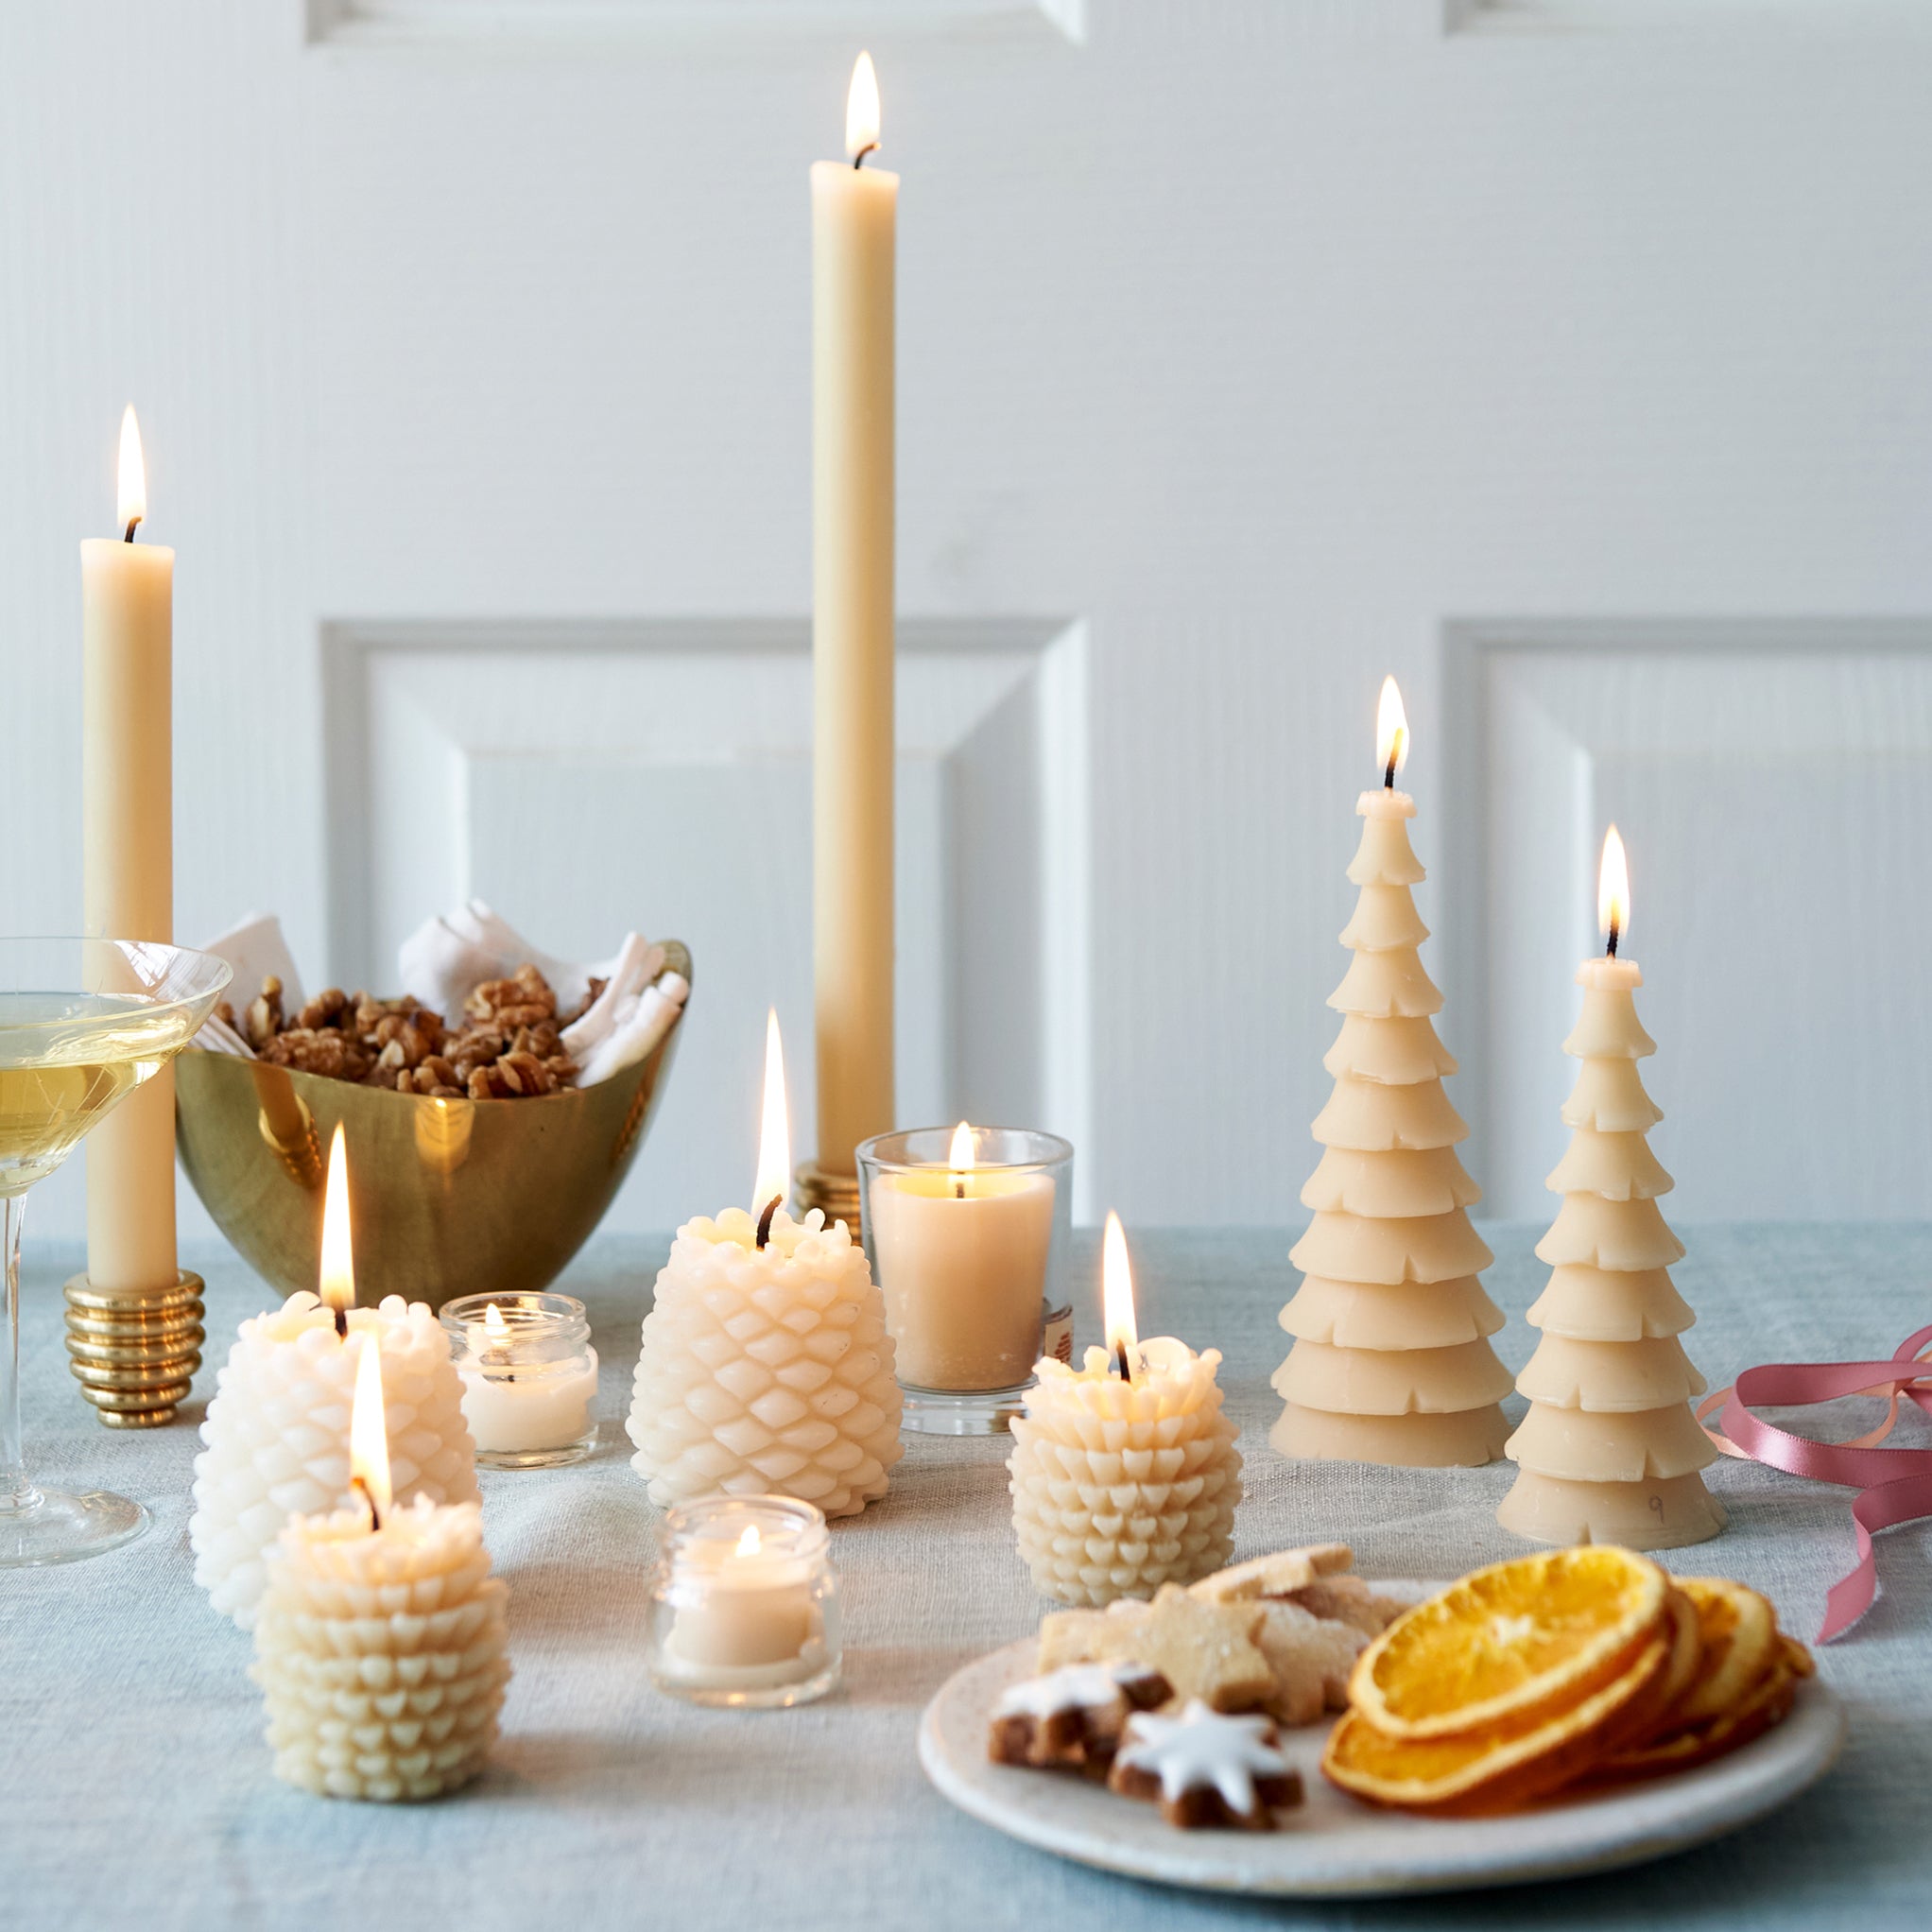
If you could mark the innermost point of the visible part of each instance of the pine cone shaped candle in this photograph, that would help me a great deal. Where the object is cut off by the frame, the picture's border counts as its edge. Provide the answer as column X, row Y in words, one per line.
column 765, row 1367
column 1610, row 1451
column 1121, row 1483
column 277, row 1433
column 382, row 1646
column 1391, row 1362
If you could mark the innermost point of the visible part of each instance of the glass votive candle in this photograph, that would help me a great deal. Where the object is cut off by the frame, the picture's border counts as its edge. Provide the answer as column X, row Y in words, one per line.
column 966, row 1229
column 744, row 1607
column 529, row 1377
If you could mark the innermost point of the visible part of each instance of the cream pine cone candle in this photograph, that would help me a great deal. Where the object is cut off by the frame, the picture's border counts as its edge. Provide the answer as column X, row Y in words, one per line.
column 1610, row 1451
column 382, row 1649
column 1391, row 1362
column 1124, row 1482
column 765, row 1367
column 277, row 1431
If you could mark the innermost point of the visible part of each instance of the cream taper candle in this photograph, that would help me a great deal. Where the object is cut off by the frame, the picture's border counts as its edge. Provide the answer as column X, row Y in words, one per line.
column 1124, row 1472
column 854, row 214
column 381, row 1650
column 766, row 1367
column 126, row 791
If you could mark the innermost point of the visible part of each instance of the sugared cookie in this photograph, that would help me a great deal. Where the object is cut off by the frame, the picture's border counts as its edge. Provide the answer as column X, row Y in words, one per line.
column 1204, row 1651
column 1072, row 1717
column 1311, row 1658
column 1205, row 1768
column 1285, row 1570
column 1346, row 1600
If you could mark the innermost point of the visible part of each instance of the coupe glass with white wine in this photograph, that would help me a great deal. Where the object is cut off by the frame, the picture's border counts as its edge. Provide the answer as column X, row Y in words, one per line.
column 82, row 1024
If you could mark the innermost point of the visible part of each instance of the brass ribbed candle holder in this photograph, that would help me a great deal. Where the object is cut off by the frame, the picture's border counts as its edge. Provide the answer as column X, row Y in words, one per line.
column 837, row 1195
column 135, row 1352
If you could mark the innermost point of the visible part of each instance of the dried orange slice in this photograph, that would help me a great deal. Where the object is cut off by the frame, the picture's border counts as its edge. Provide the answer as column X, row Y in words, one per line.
column 1508, row 1764
column 1763, row 1704
column 1740, row 1633
column 1520, row 1639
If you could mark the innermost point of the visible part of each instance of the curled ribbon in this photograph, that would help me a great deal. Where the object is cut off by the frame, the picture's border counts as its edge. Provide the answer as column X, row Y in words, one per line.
column 1894, row 1485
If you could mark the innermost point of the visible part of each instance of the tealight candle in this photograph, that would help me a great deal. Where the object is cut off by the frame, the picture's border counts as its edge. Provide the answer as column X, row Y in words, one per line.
column 382, row 1649
column 1124, row 1472
column 964, row 1232
column 274, row 1431
column 529, row 1377
column 744, row 1605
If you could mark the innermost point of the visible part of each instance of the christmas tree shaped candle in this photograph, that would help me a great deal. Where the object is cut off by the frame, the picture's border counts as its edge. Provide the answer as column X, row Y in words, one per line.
column 1391, row 1362
column 1610, row 1451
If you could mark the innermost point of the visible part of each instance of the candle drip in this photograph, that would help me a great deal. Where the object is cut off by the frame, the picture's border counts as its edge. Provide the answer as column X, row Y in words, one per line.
column 375, row 1515
column 771, row 1207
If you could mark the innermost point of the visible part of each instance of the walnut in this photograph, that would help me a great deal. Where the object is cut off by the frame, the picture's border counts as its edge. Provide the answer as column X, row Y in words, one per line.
column 527, row 1073
column 520, row 1001
column 326, row 1009
column 309, row 1052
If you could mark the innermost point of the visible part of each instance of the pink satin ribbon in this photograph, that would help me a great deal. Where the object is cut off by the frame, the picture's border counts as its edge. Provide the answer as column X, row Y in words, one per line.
column 1894, row 1485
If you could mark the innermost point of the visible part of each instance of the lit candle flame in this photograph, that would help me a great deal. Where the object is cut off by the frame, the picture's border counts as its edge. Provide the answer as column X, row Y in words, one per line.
column 1116, row 1293
column 1391, row 732
column 131, row 494
column 337, row 1286
column 1613, row 891
column 862, row 110
column 368, row 1434
column 774, row 1135
column 962, row 1158
column 494, row 1325
column 748, row 1544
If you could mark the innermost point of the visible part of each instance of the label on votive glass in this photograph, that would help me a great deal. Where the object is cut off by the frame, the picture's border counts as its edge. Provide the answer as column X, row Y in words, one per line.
column 1056, row 1333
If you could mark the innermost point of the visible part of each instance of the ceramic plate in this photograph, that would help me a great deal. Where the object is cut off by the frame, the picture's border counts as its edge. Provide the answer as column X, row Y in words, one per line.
column 1333, row 1847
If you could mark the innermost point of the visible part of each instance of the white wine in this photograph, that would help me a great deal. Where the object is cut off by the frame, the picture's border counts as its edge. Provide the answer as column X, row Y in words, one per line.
column 67, row 1058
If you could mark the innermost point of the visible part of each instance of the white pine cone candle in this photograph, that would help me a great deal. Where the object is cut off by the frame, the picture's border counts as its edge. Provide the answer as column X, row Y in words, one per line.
column 1121, row 1486
column 383, row 1654
column 766, row 1370
column 277, row 1433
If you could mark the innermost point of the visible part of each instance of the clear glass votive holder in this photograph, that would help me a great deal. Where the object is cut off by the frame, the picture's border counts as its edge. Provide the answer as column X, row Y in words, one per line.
column 744, row 1605
column 529, row 1377
column 969, row 1260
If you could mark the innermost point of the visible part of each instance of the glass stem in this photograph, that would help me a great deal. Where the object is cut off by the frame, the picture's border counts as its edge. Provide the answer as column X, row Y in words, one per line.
column 17, row 1494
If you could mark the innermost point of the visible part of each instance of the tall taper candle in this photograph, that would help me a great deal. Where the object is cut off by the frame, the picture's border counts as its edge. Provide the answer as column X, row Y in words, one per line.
column 126, row 620
column 854, row 216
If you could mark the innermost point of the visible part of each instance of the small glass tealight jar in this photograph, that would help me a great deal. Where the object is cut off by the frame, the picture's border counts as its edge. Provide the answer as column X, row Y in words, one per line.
column 529, row 1377
column 744, row 1607
column 967, row 1230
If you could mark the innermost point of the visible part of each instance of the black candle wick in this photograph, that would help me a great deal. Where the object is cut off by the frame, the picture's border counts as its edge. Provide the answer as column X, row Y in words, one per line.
column 771, row 1207
column 1120, row 1359
column 129, row 537
column 1610, row 950
column 858, row 159
column 375, row 1515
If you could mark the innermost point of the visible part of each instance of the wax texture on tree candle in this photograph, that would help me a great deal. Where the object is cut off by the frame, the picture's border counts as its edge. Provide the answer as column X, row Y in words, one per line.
column 1391, row 1362
column 127, row 789
column 855, row 221
column 1610, row 1451
column 1121, row 1484
column 766, row 1368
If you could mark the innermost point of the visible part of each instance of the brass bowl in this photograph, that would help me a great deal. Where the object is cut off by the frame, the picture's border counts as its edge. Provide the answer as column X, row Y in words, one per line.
column 447, row 1197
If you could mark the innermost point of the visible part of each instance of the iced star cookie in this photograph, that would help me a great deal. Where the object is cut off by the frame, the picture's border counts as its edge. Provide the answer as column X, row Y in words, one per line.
column 1205, row 1768
column 1072, row 1717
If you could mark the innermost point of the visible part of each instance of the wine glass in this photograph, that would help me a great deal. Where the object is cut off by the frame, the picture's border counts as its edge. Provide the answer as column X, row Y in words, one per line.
column 82, row 1024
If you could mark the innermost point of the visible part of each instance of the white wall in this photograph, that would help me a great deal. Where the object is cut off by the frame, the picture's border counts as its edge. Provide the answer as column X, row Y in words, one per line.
column 1248, row 349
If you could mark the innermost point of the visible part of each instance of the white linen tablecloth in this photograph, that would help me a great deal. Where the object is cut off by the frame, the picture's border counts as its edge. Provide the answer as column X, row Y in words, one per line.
column 135, row 1789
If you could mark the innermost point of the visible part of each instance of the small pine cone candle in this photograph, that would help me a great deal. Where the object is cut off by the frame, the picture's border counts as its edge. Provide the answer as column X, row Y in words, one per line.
column 1121, row 1486
column 383, row 1653
column 277, row 1433
column 765, row 1367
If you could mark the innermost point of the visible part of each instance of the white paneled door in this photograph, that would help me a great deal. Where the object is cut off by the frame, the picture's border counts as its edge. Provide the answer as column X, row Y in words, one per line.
column 1570, row 359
